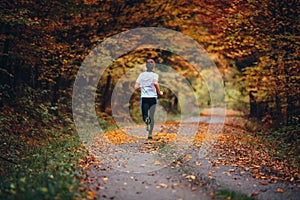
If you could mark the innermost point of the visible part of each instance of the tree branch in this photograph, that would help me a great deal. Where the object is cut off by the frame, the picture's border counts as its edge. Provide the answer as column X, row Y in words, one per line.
column 6, row 72
column 10, row 161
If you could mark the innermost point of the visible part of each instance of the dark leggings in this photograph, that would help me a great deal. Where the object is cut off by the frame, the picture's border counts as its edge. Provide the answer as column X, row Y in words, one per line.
column 149, row 104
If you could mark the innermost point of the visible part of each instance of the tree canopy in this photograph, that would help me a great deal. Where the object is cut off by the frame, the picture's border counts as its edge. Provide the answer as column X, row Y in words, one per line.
column 44, row 43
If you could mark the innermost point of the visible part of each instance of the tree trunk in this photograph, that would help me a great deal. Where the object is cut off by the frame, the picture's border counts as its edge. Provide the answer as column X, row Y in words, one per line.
column 278, row 108
column 253, row 104
column 106, row 97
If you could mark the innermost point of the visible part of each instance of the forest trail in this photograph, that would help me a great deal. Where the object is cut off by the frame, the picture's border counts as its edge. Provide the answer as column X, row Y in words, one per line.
column 172, row 167
column 142, row 169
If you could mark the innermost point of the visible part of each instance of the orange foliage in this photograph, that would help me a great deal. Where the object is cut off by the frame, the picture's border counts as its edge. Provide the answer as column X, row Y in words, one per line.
column 164, row 137
column 250, row 154
column 118, row 137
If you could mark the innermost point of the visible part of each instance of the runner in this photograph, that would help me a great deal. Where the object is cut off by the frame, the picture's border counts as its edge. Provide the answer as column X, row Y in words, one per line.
column 147, row 82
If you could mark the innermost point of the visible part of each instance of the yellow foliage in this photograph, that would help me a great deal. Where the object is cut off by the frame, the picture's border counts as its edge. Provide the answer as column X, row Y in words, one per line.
column 164, row 137
column 202, row 136
column 118, row 137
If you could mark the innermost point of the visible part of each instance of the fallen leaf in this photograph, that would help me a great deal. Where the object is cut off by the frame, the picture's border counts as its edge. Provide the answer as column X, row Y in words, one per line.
column 191, row 177
column 254, row 194
column 263, row 183
column 198, row 163
column 279, row 190
column 226, row 173
column 91, row 195
column 105, row 179
column 157, row 162
column 163, row 185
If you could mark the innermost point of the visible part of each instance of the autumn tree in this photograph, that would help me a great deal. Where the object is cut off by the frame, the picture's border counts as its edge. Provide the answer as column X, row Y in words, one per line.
column 262, row 37
column 44, row 43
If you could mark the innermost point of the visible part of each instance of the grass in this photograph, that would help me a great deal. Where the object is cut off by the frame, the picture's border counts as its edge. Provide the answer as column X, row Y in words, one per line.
column 165, row 149
column 232, row 195
column 46, row 170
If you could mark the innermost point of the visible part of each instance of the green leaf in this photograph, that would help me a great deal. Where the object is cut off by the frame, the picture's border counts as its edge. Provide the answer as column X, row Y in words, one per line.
column 44, row 189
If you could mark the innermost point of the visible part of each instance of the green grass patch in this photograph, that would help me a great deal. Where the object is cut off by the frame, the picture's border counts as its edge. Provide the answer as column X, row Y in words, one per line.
column 165, row 149
column 232, row 195
column 41, row 167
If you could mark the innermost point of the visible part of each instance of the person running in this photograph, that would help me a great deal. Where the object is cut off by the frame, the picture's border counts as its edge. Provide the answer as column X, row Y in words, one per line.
column 147, row 82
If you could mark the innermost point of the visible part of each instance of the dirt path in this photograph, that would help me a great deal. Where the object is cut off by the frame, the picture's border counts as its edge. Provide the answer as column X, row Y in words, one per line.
column 241, row 181
column 133, row 168
column 142, row 170
column 162, row 184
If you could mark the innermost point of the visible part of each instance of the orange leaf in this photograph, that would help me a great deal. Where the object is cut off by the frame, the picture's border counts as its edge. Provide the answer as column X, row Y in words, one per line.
column 254, row 194
column 279, row 190
column 263, row 183
column 91, row 195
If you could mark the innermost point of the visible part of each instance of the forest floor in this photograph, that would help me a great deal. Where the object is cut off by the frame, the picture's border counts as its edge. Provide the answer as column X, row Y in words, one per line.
column 180, row 163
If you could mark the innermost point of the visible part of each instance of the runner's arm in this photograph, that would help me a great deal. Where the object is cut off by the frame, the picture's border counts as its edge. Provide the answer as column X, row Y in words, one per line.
column 137, row 86
column 156, row 85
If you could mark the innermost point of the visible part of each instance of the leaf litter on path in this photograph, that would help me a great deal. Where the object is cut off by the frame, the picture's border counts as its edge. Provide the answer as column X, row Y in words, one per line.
column 234, row 147
column 127, row 159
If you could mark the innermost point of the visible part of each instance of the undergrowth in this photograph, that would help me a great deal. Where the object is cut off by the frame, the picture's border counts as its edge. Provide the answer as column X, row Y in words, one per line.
column 39, row 156
column 284, row 143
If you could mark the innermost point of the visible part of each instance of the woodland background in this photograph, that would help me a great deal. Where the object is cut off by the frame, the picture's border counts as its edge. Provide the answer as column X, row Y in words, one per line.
column 255, row 45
